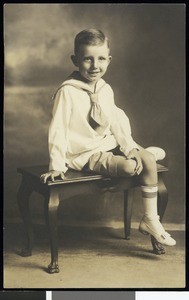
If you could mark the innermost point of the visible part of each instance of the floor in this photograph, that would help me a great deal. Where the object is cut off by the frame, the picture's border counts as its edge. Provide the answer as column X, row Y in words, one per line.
column 93, row 257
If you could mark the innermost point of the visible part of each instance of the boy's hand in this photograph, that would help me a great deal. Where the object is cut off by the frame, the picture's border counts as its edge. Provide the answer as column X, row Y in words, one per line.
column 134, row 154
column 51, row 174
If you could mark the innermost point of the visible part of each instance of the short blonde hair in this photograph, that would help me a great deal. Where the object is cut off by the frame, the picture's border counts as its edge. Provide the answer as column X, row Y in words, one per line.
column 90, row 37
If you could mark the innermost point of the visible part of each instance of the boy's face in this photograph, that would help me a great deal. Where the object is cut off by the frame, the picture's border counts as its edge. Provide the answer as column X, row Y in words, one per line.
column 92, row 61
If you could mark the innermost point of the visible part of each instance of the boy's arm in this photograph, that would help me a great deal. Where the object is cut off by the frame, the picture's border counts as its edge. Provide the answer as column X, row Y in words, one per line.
column 121, row 129
column 58, row 131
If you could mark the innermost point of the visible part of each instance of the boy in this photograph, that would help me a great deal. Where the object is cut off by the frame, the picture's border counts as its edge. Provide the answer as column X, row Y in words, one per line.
column 88, row 131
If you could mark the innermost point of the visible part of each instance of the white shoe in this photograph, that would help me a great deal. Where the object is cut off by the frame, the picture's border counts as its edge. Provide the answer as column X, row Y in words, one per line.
column 158, row 152
column 155, row 228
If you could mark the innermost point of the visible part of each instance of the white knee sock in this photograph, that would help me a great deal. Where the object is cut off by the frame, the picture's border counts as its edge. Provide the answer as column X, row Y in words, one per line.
column 149, row 199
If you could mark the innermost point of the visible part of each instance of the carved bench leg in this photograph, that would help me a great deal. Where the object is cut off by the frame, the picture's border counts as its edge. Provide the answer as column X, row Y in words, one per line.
column 23, row 196
column 128, row 204
column 53, row 205
column 162, row 204
column 162, row 197
column 46, row 196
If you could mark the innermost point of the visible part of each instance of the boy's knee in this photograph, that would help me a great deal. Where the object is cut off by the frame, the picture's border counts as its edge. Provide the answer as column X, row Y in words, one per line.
column 149, row 160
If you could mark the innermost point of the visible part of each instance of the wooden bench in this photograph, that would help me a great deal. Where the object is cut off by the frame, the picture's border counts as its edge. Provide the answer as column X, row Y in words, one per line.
column 77, row 183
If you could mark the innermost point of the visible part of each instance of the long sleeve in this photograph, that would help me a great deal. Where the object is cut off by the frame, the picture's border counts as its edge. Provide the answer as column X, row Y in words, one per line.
column 121, row 129
column 59, row 130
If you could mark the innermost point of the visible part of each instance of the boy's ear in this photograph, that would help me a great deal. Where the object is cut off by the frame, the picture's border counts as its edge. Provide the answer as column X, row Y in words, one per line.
column 74, row 60
column 110, row 58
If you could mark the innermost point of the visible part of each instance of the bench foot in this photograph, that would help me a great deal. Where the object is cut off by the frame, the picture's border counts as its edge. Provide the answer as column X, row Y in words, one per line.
column 25, row 252
column 53, row 268
column 158, row 249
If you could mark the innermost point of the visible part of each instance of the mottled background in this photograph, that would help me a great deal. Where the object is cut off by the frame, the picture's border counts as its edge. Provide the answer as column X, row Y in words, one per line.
column 147, row 74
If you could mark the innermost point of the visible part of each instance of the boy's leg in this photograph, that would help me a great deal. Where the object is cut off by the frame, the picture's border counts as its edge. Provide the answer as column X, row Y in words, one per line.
column 106, row 163
column 148, row 175
column 149, row 186
column 149, row 183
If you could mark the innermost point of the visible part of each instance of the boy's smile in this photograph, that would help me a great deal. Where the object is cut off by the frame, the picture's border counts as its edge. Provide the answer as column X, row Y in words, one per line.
column 92, row 62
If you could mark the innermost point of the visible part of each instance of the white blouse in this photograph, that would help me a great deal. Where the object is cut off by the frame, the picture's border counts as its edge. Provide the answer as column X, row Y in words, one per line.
column 71, row 139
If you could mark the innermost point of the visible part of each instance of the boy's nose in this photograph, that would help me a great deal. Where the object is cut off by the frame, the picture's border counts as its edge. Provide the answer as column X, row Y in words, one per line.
column 95, row 64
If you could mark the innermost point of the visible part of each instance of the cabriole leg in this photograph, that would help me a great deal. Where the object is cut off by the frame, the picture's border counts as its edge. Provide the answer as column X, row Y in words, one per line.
column 128, row 204
column 53, row 205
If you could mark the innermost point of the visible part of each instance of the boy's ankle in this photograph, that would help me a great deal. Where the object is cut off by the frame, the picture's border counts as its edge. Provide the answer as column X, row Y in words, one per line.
column 151, row 217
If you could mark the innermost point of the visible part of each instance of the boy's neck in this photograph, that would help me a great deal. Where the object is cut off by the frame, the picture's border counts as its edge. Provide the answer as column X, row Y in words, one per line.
column 91, row 84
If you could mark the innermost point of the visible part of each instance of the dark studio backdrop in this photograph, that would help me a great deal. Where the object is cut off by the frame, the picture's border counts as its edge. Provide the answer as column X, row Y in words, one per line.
column 147, row 74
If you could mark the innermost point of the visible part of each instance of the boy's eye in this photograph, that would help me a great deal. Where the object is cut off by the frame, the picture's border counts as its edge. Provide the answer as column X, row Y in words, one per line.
column 102, row 58
column 87, row 59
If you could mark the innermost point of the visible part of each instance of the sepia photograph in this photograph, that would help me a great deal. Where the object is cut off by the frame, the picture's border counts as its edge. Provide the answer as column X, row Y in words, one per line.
column 94, row 146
